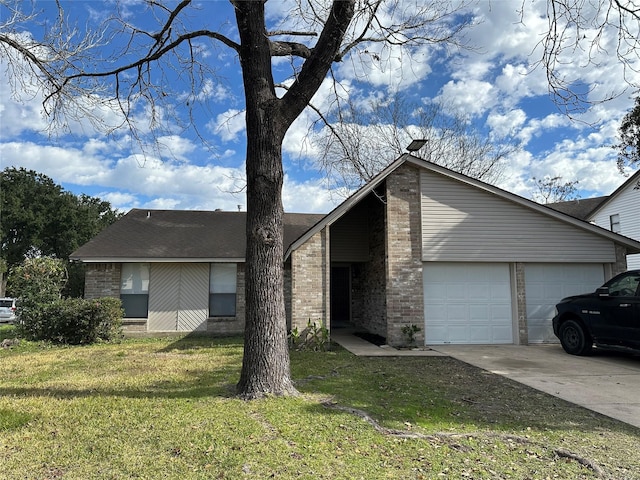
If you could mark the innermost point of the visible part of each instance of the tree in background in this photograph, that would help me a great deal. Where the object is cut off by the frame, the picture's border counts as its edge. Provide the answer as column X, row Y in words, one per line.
column 629, row 146
column 359, row 143
column 552, row 190
column 40, row 219
column 128, row 68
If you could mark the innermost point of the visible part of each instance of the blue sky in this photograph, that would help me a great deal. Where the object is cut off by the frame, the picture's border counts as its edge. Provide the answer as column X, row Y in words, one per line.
column 495, row 85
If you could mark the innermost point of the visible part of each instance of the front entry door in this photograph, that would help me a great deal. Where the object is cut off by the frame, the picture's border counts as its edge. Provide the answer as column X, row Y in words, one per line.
column 340, row 296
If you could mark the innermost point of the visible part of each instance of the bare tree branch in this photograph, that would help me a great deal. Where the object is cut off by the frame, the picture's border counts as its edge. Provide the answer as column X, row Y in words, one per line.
column 586, row 32
column 354, row 148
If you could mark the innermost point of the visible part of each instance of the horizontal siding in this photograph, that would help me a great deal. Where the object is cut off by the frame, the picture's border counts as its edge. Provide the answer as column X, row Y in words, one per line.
column 627, row 205
column 462, row 223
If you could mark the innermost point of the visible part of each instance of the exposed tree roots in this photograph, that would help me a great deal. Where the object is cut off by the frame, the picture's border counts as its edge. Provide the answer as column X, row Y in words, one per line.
column 450, row 438
column 582, row 461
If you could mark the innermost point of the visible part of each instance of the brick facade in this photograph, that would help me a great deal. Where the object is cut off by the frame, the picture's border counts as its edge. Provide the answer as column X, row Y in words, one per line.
column 621, row 261
column 405, row 303
column 386, row 289
column 102, row 280
column 369, row 278
column 521, row 304
column 310, row 271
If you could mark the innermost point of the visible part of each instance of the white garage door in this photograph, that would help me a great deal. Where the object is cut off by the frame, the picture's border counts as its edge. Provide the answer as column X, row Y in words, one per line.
column 467, row 303
column 546, row 284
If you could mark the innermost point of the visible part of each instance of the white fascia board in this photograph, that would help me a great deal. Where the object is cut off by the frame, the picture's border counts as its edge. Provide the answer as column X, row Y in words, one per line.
column 156, row 260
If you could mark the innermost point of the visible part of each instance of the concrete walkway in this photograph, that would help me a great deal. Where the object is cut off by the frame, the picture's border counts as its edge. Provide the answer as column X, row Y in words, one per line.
column 606, row 382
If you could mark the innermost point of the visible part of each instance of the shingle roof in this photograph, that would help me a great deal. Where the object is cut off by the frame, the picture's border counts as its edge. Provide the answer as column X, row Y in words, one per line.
column 181, row 234
column 584, row 209
column 578, row 208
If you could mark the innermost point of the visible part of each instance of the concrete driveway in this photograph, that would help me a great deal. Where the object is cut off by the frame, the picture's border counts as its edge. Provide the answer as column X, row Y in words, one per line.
column 606, row 382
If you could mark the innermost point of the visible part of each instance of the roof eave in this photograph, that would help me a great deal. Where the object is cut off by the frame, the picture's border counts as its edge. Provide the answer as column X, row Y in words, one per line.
column 341, row 209
column 632, row 246
column 156, row 259
column 615, row 194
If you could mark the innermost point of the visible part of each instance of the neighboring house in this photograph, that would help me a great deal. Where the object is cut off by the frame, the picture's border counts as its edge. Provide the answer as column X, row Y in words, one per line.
column 618, row 212
column 418, row 245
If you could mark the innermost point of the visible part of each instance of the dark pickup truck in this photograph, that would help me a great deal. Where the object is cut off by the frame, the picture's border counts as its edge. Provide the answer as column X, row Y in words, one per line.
column 608, row 317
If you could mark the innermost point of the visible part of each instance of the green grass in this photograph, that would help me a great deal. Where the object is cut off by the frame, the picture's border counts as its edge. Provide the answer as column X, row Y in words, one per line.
column 162, row 408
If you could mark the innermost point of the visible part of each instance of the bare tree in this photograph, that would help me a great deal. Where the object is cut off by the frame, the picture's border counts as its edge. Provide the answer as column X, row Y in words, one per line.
column 584, row 32
column 360, row 142
column 122, row 66
column 552, row 190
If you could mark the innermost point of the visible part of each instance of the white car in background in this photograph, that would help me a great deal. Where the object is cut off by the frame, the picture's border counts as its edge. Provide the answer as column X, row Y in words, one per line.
column 7, row 310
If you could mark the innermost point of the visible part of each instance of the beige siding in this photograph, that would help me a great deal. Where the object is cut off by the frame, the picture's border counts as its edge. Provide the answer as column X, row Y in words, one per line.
column 163, row 297
column 193, row 309
column 178, row 297
column 462, row 223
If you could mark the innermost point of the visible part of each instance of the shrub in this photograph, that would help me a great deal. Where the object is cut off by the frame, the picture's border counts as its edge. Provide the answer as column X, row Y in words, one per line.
column 73, row 321
column 314, row 337
column 38, row 280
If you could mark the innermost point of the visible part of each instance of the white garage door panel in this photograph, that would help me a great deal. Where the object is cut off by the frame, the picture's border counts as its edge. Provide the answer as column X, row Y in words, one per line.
column 467, row 303
column 546, row 284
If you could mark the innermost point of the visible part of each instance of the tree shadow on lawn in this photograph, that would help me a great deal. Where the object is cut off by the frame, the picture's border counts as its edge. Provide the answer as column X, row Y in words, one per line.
column 199, row 383
column 445, row 393
column 195, row 341
column 430, row 392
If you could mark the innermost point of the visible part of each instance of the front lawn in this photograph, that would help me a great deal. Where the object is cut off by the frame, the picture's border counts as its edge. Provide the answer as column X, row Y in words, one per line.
column 164, row 408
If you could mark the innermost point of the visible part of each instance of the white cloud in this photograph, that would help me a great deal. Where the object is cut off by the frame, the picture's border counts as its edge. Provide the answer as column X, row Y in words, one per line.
column 498, row 86
column 307, row 197
column 208, row 91
column 119, row 199
column 228, row 125
column 471, row 97
column 504, row 125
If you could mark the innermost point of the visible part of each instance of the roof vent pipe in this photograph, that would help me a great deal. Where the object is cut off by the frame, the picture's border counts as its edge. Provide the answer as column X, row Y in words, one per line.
column 148, row 214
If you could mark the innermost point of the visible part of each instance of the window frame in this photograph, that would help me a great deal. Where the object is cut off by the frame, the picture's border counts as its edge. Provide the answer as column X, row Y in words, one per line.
column 223, row 290
column 614, row 223
column 135, row 298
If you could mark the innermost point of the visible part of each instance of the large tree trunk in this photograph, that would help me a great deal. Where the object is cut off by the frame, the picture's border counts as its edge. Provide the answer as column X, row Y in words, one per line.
column 265, row 367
